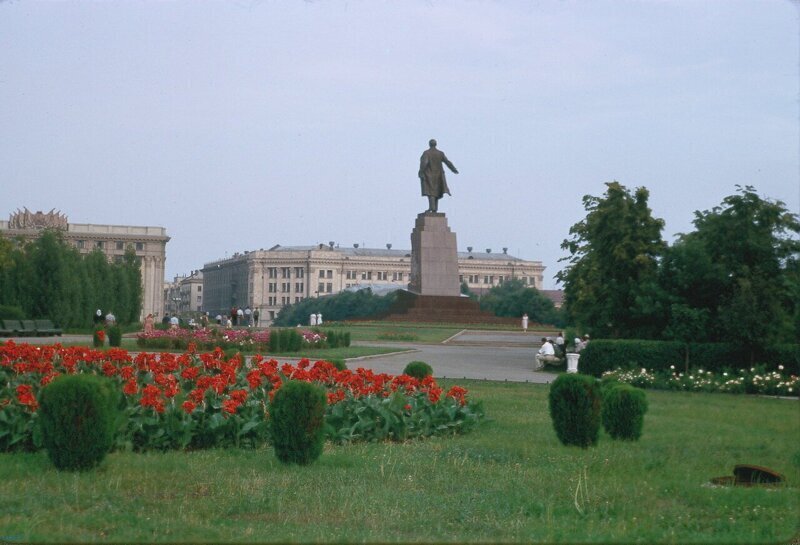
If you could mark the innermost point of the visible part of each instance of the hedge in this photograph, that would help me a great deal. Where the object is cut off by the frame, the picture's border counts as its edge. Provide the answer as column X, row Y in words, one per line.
column 603, row 355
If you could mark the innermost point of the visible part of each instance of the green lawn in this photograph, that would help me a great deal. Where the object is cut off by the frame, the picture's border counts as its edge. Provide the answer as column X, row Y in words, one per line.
column 510, row 480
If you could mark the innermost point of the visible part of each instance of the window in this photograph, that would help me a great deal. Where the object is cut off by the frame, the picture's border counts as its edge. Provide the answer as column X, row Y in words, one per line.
column 366, row 275
column 298, row 272
column 321, row 288
column 100, row 244
column 273, row 272
column 350, row 275
column 400, row 276
column 286, row 272
column 329, row 287
column 271, row 314
column 273, row 287
column 383, row 275
column 120, row 245
column 299, row 287
column 321, row 273
column 330, row 273
column 199, row 299
column 199, row 289
column 80, row 244
column 297, row 299
column 286, row 287
column 139, row 246
column 285, row 300
column 460, row 278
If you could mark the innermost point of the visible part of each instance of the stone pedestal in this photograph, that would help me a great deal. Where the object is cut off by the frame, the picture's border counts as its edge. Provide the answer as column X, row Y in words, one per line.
column 434, row 259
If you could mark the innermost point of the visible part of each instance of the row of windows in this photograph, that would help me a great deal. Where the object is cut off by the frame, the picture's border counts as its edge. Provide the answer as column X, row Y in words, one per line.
column 286, row 272
column 272, row 301
column 101, row 245
column 299, row 287
column 379, row 275
column 490, row 279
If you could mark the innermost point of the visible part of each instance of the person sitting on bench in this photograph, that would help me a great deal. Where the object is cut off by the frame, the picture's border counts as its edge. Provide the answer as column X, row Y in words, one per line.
column 546, row 354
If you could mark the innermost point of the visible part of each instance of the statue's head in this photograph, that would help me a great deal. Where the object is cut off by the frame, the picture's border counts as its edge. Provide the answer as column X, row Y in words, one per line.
column 432, row 143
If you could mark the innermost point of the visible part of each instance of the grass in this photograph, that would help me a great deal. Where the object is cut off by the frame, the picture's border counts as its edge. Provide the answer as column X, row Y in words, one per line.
column 510, row 481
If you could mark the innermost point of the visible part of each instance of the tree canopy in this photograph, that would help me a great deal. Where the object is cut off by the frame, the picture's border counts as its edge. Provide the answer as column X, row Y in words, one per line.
column 611, row 282
column 340, row 306
column 513, row 298
column 48, row 278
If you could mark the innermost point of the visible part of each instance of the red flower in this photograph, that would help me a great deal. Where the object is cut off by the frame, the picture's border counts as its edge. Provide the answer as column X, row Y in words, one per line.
column 25, row 396
column 190, row 373
column 254, row 378
column 101, row 335
column 239, row 396
column 230, row 406
column 130, row 388
column 188, row 407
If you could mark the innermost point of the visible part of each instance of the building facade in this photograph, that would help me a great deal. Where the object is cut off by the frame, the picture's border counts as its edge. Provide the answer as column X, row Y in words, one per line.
column 149, row 243
column 268, row 280
column 184, row 294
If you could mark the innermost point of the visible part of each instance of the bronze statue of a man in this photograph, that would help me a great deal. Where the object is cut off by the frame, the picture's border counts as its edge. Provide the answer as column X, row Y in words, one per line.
column 431, row 175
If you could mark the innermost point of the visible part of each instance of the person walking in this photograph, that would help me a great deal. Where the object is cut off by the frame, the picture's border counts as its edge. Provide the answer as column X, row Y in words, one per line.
column 525, row 323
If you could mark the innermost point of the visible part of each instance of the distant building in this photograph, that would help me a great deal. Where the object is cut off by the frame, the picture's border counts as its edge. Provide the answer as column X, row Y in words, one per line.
column 149, row 243
column 556, row 296
column 184, row 294
column 268, row 280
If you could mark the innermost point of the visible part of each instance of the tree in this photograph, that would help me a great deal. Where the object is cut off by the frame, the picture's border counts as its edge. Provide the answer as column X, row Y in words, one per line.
column 739, row 266
column 611, row 283
column 341, row 306
column 513, row 298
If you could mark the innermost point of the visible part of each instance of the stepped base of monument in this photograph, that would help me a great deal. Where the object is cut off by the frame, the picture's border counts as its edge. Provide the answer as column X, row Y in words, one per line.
column 412, row 307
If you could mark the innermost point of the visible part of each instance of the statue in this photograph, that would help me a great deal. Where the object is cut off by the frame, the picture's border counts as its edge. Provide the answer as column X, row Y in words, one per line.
column 431, row 175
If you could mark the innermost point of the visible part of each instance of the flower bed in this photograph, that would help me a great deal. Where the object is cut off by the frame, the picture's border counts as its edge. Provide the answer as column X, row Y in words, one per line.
column 211, row 338
column 755, row 380
column 203, row 400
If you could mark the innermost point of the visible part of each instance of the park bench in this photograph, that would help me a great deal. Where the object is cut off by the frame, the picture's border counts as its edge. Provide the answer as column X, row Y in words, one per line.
column 47, row 328
column 28, row 328
column 15, row 326
column 5, row 331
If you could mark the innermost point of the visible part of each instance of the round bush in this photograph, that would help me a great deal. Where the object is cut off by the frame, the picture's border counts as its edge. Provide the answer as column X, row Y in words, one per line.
column 78, row 417
column 623, row 411
column 418, row 370
column 296, row 422
column 575, row 409
column 98, row 336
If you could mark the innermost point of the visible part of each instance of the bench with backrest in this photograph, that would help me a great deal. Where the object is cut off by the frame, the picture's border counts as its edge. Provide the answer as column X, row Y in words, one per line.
column 28, row 328
column 5, row 331
column 15, row 326
column 46, row 328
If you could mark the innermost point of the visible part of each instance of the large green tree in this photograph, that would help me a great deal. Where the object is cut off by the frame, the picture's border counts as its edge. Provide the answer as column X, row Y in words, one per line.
column 611, row 281
column 513, row 298
column 739, row 268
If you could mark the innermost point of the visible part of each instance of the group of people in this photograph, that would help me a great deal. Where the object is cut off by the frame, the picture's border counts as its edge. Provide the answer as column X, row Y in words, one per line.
column 240, row 316
column 553, row 352
column 108, row 320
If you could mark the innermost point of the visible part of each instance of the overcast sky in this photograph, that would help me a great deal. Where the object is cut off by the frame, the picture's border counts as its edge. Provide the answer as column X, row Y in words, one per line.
column 242, row 124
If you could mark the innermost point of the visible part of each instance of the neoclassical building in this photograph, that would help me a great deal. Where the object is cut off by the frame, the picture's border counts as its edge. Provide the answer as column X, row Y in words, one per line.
column 149, row 243
column 268, row 280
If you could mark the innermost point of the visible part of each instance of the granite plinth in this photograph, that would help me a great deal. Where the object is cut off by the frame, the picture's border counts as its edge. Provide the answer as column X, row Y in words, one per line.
column 434, row 258
column 413, row 307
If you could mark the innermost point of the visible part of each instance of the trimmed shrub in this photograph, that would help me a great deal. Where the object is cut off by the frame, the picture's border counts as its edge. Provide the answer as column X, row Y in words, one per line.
column 332, row 338
column 274, row 340
column 78, row 418
column 418, row 370
column 339, row 363
column 623, row 411
column 575, row 409
column 346, row 339
column 114, row 336
column 603, row 355
column 296, row 422
column 98, row 337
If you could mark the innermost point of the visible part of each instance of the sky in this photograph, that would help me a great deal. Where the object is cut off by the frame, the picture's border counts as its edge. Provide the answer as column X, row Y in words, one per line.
column 242, row 124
